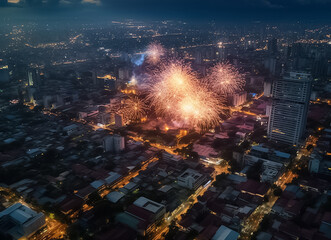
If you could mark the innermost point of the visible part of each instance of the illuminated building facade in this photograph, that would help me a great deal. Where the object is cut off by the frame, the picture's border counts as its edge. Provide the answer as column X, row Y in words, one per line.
column 288, row 118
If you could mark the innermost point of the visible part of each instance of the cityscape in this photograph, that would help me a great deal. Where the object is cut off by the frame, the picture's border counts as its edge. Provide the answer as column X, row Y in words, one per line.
column 175, row 120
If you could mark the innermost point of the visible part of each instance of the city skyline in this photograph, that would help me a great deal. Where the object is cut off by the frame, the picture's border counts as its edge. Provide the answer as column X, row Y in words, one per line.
column 165, row 120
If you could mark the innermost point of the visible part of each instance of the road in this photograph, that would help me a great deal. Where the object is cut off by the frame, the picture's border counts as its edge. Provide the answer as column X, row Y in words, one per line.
column 126, row 179
column 185, row 206
column 53, row 229
column 182, row 209
column 252, row 223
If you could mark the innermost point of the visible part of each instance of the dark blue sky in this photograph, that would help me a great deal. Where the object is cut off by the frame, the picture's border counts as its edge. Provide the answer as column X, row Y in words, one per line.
column 228, row 8
column 198, row 9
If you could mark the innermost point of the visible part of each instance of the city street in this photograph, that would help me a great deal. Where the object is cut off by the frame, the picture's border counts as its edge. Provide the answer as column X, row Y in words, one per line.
column 253, row 221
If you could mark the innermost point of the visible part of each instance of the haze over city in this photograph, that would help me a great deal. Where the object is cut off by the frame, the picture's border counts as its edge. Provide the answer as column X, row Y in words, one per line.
column 176, row 120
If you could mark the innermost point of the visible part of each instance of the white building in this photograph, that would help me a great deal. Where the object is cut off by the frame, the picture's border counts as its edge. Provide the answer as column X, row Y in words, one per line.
column 191, row 179
column 21, row 222
column 288, row 118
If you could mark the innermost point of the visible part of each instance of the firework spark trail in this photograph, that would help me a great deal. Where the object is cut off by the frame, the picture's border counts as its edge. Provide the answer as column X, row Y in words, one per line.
column 154, row 52
column 175, row 92
column 225, row 79
column 135, row 109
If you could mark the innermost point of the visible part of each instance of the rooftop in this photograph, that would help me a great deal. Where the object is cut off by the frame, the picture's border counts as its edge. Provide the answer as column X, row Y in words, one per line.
column 149, row 205
column 190, row 173
column 225, row 233
column 113, row 176
column 114, row 197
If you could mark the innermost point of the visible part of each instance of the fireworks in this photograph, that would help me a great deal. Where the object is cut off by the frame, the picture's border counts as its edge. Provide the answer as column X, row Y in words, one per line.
column 135, row 109
column 175, row 92
column 225, row 79
column 154, row 52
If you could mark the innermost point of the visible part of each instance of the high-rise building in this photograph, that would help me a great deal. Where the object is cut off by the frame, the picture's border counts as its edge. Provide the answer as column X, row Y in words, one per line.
column 33, row 78
column 108, row 144
column 270, row 65
column 272, row 46
column 238, row 99
column 288, row 118
column 267, row 88
column 114, row 143
column 119, row 143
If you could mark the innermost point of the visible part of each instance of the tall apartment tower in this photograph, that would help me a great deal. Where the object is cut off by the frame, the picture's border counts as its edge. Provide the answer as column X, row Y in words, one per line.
column 291, row 95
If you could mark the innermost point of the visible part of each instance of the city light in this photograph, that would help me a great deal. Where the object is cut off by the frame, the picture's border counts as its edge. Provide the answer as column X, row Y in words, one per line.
column 147, row 129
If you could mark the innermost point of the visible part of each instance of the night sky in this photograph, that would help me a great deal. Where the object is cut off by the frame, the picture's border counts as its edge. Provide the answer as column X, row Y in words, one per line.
column 194, row 9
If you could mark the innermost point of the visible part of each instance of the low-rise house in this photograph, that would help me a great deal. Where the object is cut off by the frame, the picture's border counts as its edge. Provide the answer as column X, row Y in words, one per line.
column 225, row 233
column 20, row 222
column 191, row 179
column 114, row 197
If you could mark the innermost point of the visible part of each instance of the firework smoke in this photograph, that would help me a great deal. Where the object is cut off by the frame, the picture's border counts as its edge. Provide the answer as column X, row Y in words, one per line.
column 154, row 52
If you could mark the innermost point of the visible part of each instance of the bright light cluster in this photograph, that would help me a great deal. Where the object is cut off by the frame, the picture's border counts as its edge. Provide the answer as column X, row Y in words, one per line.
column 154, row 52
column 225, row 79
column 176, row 93
column 134, row 109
